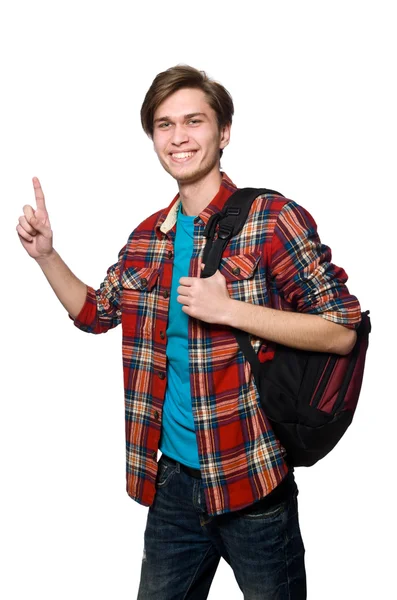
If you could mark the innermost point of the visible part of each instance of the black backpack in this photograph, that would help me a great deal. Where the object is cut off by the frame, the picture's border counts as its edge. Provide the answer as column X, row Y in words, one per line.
column 308, row 397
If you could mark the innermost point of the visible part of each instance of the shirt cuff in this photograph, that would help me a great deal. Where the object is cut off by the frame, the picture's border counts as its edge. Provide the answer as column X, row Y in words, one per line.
column 87, row 317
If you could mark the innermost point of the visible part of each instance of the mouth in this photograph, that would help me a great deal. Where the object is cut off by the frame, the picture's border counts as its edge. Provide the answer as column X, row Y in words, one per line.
column 182, row 157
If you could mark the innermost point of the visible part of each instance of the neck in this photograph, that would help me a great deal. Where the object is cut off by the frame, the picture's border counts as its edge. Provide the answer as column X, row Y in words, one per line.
column 196, row 196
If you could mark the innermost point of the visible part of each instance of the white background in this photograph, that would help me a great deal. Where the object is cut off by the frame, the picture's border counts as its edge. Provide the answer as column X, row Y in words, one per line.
column 315, row 105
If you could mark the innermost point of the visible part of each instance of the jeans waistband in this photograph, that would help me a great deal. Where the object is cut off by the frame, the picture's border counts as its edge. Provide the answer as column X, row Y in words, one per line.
column 196, row 473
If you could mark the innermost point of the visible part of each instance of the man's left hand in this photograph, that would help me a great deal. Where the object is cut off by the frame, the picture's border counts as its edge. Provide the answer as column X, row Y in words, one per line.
column 206, row 299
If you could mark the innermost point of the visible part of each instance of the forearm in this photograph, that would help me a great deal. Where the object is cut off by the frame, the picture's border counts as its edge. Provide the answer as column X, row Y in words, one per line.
column 297, row 330
column 70, row 291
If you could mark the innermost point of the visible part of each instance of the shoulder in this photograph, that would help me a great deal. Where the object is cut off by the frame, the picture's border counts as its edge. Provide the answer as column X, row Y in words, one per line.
column 271, row 203
column 279, row 211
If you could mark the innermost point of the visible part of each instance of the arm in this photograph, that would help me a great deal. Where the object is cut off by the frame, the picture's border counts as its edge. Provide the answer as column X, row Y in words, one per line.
column 297, row 330
column 35, row 234
column 304, row 277
column 70, row 291
column 92, row 311
column 305, row 280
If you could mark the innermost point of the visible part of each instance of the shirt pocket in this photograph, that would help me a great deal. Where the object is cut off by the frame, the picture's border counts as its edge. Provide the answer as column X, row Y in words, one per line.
column 139, row 300
column 242, row 278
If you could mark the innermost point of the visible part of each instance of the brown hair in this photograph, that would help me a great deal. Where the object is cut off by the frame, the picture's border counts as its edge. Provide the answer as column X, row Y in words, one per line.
column 183, row 76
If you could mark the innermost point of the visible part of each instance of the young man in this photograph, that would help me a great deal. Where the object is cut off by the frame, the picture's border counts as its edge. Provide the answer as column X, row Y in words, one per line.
column 222, row 487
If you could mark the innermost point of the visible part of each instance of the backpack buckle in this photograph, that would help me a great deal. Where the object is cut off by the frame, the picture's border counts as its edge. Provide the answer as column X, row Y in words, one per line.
column 224, row 232
column 233, row 211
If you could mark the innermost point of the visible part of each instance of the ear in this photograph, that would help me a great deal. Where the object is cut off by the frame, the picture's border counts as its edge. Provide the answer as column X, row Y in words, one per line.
column 225, row 136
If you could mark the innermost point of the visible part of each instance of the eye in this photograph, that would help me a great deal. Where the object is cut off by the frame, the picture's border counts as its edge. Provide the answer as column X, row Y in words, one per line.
column 194, row 121
column 164, row 125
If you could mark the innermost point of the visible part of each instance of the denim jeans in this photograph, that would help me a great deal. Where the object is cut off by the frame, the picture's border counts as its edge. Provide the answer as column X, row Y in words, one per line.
column 183, row 544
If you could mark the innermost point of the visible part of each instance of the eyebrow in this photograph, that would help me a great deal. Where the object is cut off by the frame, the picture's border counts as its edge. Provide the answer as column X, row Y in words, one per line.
column 189, row 116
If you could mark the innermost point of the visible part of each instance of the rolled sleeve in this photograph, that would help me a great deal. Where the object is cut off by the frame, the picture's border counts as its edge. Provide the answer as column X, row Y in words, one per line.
column 102, row 308
column 303, row 272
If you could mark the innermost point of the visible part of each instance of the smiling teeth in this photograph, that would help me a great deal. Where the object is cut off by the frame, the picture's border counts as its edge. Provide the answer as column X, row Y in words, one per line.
column 183, row 155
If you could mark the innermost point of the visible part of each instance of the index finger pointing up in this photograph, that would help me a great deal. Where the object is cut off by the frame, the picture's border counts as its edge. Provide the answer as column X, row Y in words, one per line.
column 38, row 192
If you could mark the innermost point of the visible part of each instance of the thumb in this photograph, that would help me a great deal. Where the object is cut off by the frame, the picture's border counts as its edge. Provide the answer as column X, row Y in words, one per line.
column 40, row 226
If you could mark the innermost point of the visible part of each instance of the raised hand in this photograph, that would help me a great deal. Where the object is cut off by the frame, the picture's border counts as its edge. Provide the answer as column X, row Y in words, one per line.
column 34, row 227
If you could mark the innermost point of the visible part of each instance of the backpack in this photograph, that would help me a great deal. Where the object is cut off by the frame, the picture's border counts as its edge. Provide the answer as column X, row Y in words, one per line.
column 308, row 397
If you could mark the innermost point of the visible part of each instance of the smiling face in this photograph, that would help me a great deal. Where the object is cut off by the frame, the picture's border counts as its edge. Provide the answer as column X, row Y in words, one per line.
column 186, row 136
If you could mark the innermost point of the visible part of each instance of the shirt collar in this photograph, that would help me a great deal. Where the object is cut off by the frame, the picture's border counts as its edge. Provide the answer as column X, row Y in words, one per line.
column 168, row 217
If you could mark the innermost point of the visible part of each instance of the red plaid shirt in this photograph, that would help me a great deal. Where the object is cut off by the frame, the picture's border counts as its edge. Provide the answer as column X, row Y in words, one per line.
column 276, row 260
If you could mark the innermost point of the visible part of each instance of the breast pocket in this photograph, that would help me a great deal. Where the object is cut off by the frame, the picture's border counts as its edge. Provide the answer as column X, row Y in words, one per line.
column 243, row 279
column 139, row 298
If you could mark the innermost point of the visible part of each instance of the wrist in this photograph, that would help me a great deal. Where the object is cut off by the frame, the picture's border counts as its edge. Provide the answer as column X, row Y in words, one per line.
column 230, row 314
column 46, row 259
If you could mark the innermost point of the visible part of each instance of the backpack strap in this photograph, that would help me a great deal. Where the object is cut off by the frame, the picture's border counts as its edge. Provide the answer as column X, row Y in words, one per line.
column 227, row 223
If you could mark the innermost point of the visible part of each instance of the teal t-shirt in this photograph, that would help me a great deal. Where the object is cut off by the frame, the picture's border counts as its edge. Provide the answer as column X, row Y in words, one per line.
column 178, row 438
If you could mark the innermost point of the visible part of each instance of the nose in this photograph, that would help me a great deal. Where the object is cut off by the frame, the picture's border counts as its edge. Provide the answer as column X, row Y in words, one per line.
column 179, row 135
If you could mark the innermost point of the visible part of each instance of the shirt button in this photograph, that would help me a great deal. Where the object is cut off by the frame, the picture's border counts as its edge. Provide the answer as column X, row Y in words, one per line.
column 165, row 294
column 161, row 374
column 236, row 271
column 162, row 335
column 154, row 455
column 156, row 415
column 143, row 282
column 169, row 254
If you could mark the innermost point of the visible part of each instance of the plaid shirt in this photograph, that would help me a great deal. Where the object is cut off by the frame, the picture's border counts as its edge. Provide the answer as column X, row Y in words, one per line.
column 277, row 260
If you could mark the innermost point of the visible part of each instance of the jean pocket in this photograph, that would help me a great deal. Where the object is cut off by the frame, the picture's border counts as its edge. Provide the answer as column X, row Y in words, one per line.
column 165, row 472
column 259, row 510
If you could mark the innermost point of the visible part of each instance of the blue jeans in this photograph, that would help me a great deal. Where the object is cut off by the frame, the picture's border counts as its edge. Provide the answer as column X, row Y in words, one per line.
column 183, row 544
